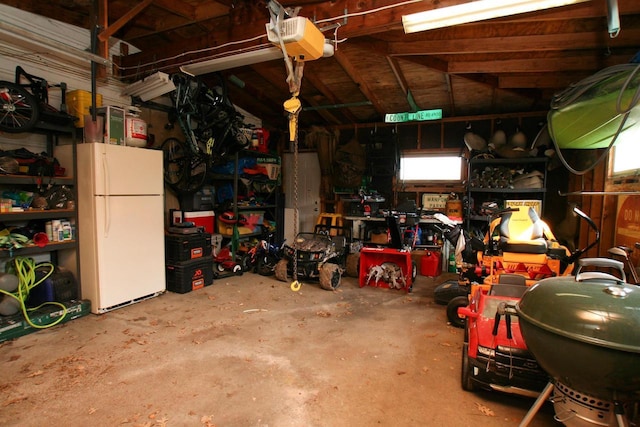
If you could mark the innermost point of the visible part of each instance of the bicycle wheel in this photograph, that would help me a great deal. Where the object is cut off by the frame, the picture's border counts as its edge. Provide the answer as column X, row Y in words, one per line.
column 195, row 174
column 174, row 155
column 19, row 109
column 184, row 171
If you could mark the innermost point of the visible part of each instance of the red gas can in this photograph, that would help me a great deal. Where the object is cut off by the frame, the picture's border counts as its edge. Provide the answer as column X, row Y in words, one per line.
column 430, row 264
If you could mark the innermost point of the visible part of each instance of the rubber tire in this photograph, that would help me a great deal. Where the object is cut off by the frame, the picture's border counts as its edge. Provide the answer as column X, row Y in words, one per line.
column 465, row 370
column 220, row 267
column 353, row 265
column 237, row 270
column 330, row 276
column 174, row 159
column 27, row 117
column 414, row 271
column 266, row 265
column 245, row 262
column 452, row 311
column 281, row 270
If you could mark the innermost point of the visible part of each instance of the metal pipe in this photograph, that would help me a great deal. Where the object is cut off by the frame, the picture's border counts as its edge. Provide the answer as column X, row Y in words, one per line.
column 332, row 106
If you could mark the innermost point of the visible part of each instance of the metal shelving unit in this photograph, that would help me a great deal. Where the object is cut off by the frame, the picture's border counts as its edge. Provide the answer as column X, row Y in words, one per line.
column 479, row 194
column 31, row 183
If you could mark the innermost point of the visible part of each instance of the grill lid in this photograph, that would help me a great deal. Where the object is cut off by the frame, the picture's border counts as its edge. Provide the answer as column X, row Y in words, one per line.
column 592, row 307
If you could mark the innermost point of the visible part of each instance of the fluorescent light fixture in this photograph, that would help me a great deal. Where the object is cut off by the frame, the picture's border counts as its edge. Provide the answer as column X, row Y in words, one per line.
column 150, row 87
column 475, row 11
column 228, row 62
column 36, row 42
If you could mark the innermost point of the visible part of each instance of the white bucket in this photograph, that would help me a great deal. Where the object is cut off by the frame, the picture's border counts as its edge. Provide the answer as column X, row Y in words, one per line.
column 136, row 135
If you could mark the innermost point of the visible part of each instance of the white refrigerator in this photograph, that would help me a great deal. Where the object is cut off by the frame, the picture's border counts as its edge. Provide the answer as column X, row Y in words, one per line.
column 120, row 224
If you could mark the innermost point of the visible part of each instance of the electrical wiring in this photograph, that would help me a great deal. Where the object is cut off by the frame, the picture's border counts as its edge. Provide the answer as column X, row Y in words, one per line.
column 25, row 269
column 573, row 93
column 156, row 63
column 366, row 12
column 190, row 52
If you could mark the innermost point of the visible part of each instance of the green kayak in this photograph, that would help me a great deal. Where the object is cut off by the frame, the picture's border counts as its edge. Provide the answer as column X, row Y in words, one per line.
column 588, row 114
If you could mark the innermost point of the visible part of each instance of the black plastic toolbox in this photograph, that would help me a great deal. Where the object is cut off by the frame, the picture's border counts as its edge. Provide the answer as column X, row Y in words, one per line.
column 189, row 275
column 184, row 247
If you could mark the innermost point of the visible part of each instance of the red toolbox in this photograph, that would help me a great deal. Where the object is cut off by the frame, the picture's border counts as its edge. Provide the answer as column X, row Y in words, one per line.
column 387, row 259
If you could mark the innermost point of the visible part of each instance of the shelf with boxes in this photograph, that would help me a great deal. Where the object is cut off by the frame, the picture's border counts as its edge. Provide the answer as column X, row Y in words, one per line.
column 38, row 233
column 33, row 204
column 248, row 195
column 500, row 183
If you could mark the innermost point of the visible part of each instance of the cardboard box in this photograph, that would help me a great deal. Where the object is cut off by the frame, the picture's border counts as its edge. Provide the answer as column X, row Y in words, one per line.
column 114, row 125
column 272, row 165
column 16, row 326
column 434, row 201
column 535, row 204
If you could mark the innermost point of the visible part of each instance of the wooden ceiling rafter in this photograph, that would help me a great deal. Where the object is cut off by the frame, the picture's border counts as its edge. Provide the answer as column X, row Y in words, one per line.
column 402, row 81
column 362, row 84
column 329, row 95
column 533, row 43
column 279, row 79
column 177, row 7
column 179, row 19
column 501, row 65
column 259, row 95
column 112, row 29
column 452, row 101
column 539, row 80
column 575, row 63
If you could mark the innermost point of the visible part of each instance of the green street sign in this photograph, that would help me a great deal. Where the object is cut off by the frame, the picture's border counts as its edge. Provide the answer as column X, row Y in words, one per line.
column 418, row 116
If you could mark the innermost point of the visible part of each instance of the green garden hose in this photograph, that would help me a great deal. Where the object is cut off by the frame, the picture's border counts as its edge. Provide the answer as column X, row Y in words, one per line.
column 25, row 269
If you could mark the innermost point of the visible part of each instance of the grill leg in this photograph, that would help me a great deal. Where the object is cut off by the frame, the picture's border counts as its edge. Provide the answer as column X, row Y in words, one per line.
column 544, row 395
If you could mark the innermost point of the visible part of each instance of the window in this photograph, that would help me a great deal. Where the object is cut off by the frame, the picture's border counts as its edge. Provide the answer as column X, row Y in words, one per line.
column 625, row 155
column 422, row 166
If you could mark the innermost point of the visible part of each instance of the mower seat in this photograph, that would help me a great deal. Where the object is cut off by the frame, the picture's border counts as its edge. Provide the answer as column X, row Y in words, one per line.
column 509, row 285
column 522, row 231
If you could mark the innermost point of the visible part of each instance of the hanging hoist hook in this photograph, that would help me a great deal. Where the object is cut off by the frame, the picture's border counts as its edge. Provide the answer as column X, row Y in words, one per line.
column 293, row 106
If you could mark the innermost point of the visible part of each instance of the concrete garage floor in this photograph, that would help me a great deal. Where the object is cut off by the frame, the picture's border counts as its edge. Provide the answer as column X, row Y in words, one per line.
column 247, row 351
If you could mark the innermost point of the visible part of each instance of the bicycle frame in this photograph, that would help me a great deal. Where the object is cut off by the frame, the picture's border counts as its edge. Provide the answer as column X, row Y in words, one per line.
column 207, row 119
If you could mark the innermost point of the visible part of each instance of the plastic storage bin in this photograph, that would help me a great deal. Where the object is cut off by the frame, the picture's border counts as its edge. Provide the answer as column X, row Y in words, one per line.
column 190, row 275
column 184, row 247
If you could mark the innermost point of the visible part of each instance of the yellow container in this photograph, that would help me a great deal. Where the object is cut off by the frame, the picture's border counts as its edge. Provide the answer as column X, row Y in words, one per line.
column 79, row 104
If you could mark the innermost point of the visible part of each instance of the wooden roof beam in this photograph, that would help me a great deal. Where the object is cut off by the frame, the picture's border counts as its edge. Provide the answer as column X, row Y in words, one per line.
column 356, row 76
column 536, row 65
column 402, row 82
column 528, row 43
column 278, row 79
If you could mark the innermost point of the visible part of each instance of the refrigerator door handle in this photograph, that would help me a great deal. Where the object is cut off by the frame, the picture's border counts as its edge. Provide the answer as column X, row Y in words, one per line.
column 105, row 168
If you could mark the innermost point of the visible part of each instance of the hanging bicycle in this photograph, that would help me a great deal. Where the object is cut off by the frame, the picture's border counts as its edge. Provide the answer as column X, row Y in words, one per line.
column 23, row 105
column 212, row 127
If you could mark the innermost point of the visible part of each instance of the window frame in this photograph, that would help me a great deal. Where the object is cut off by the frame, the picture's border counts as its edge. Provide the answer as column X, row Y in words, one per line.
column 433, row 153
column 620, row 181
